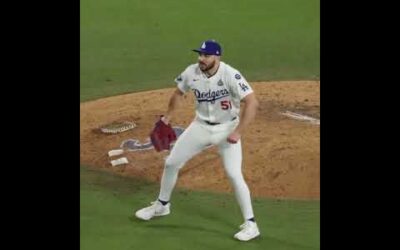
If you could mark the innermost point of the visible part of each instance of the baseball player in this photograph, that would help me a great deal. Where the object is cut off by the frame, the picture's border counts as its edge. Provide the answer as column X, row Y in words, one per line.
column 219, row 89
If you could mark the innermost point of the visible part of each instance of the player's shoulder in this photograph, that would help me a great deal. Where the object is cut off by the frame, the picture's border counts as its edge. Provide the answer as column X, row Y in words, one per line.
column 192, row 69
column 231, row 72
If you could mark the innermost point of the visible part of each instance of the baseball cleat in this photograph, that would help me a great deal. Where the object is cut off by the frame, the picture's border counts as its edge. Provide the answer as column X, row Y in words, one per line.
column 249, row 231
column 156, row 209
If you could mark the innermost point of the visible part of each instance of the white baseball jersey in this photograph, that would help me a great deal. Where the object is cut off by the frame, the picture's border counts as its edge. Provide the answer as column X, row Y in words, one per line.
column 218, row 97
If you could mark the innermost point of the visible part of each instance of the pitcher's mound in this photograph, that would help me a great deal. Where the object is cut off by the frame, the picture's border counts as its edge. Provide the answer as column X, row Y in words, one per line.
column 281, row 155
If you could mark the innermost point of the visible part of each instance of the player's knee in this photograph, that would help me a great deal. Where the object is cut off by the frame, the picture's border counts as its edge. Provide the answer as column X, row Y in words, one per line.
column 236, row 179
column 233, row 175
column 171, row 163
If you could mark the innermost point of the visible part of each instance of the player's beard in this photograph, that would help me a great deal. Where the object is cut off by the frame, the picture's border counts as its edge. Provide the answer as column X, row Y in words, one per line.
column 203, row 67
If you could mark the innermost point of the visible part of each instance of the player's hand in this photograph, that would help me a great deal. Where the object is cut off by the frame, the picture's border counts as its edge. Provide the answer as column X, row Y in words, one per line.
column 233, row 137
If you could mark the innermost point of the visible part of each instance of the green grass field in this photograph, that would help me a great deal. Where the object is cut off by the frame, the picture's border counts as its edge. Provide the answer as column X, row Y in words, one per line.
column 198, row 220
column 132, row 45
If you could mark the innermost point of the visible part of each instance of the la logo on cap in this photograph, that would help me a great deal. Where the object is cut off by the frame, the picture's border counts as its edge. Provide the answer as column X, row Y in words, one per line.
column 203, row 46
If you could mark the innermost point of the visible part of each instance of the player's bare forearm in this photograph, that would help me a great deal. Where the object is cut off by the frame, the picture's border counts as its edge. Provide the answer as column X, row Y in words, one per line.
column 172, row 105
column 249, row 112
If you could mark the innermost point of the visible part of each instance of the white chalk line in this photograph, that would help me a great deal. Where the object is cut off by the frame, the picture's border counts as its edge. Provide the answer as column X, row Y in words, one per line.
column 301, row 117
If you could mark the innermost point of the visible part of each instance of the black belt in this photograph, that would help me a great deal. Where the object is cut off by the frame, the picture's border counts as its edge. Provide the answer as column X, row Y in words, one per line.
column 217, row 123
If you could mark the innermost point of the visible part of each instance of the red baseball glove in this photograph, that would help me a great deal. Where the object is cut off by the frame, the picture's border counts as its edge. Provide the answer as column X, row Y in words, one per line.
column 162, row 136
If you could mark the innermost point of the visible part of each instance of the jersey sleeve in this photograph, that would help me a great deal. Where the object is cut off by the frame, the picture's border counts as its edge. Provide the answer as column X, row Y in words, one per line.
column 239, row 85
column 182, row 81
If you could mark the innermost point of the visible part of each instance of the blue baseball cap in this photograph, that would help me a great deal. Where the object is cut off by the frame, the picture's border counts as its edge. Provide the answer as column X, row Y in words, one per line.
column 210, row 47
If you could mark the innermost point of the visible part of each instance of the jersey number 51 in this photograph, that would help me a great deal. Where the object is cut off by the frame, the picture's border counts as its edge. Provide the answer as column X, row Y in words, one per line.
column 226, row 105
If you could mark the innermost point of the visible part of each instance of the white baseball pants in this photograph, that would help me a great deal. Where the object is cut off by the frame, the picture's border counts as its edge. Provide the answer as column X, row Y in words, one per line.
column 193, row 140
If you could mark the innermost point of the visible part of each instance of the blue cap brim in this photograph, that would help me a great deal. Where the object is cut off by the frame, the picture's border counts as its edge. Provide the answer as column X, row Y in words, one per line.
column 204, row 52
column 201, row 51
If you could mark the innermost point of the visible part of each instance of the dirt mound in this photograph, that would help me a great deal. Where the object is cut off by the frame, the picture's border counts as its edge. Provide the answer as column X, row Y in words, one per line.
column 281, row 155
